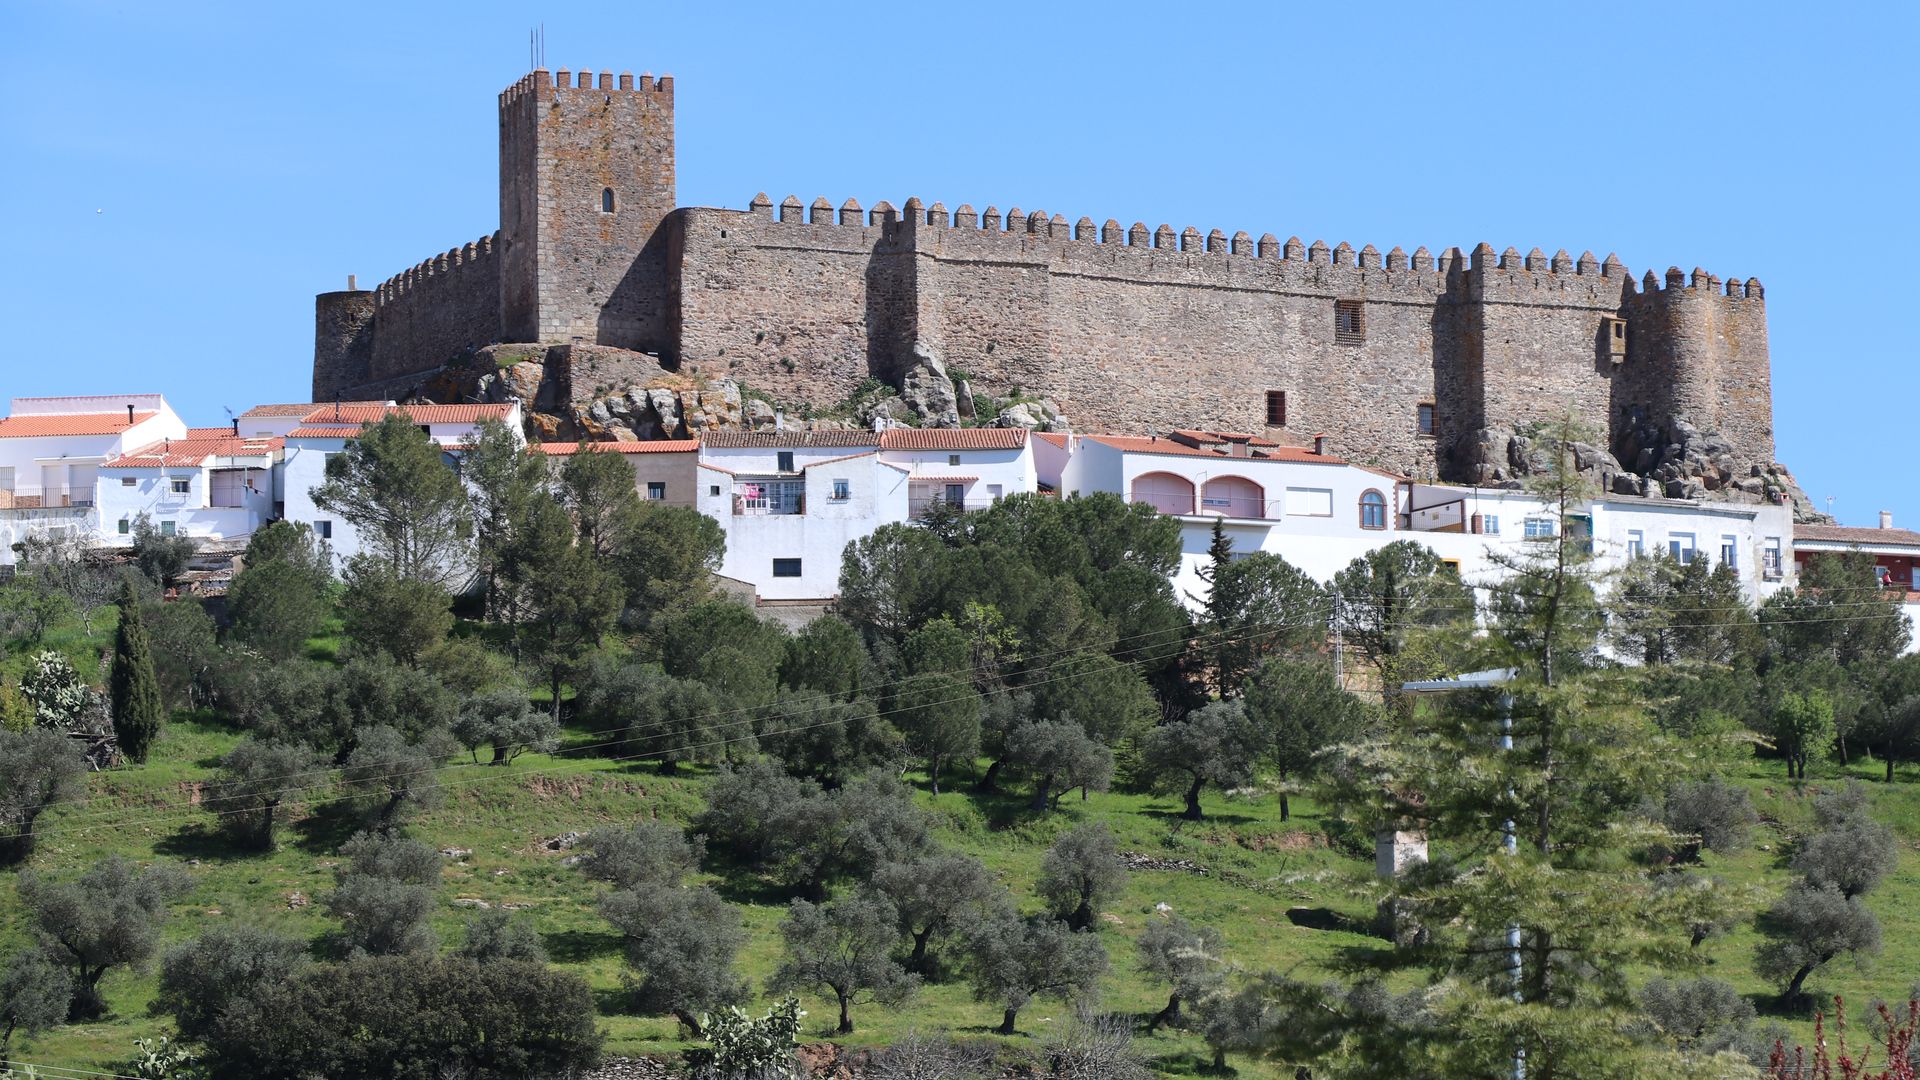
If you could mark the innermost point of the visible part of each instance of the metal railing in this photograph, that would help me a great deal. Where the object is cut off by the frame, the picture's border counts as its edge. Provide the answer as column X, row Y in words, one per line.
column 1201, row 505
column 941, row 504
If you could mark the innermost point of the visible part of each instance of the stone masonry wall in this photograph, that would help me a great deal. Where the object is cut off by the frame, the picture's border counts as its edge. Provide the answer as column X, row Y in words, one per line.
column 1133, row 330
column 425, row 316
column 574, row 269
column 342, row 341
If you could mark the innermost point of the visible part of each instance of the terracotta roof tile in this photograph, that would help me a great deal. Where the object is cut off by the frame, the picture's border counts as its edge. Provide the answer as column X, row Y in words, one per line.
column 194, row 450
column 743, row 440
column 1140, row 444
column 45, row 424
column 341, row 432
column 425, row 414
column 645, row 446
column 304, row 408
column 835, row 460
column 1865, row 537
column 953, row 438
column 1056, row 438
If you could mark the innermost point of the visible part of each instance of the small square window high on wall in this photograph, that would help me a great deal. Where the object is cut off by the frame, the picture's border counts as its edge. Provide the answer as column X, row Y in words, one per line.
column 1423, row 418
column 1276, row 408
column 1349, row 322
column 656, row 490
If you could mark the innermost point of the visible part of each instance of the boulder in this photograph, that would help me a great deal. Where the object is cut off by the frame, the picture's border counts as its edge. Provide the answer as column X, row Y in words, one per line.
column 927, row 389
column 1020, row 416
column 757, row 415
column 963, row 399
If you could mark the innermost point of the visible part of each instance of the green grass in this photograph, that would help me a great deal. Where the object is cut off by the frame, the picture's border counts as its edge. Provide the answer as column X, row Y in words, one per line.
column 1259, row 868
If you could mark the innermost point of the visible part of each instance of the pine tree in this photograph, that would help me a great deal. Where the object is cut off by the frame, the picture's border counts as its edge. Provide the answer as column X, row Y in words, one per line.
column 1530, row 947
column 134, row 689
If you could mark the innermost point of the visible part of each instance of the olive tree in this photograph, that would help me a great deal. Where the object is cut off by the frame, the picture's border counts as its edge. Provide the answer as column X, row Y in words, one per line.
column 1186, row 957
column 384, row 895
column 39, row 769
column 937, row 896
column 200, row 979
column 1080, row 872
column 844, row 947
column 1813, row 924
column 108, row 917
column 34, row 995
column 254, row 779
column 681, row 942
column 1011, row 961
column 1215, row 744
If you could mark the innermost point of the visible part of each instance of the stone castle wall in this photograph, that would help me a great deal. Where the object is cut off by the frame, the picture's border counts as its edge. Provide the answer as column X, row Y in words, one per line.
column 1128, row 329
column 429, row 314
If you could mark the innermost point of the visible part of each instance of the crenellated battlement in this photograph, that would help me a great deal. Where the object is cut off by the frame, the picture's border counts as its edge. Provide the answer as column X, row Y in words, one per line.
column 1023, row 227
column 448, row 262
column 541, row 80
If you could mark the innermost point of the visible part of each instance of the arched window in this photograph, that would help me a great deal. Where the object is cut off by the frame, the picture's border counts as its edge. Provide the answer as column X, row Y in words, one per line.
column 1373, row 510
column 1165, row 492
column 1233, row 496
column 606, row 200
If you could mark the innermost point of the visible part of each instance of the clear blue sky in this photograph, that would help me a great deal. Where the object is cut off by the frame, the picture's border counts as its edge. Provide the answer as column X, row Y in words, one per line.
column 180, row 179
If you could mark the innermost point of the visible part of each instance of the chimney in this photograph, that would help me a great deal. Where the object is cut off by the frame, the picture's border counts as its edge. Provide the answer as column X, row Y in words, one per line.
column 1319, row 444
column 236, row 427
column 129, row 412
column 1886, row 519
column 353, row 285
column 1238, row 448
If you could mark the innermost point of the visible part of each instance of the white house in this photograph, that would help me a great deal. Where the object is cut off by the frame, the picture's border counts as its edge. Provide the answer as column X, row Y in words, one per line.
column 327, row 429
column 1320, row 513
column 213, row 484
column 51, row 450
column 964, row 468
column 791, row 502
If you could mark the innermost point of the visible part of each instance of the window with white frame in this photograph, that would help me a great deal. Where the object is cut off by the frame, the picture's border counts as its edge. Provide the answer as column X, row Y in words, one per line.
column 1373, row 510
column 166, row 528
column 953, row 459
column 784, row 460
column 1770, row 567
column 1309, row 502
column 1490, row 524
column 1539, row 527
column 180, row 485
column 1636, row 543
column 656, row 490
column 324, row 528
column 842, row 491
column 1730, row 552
column 1680, row 546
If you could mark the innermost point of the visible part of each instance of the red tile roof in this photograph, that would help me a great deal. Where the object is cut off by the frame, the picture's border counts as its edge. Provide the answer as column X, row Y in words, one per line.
column 648, row 446
column 1864, row 537
column 784, row 440
column 1057, row 438
column 344, row 431
column 425, row 414
column 835, row 460
column 305, row 408
column 44, row 424
column 1218, row 438
column 1139, row 444
column 953, row 438
column 194, row 450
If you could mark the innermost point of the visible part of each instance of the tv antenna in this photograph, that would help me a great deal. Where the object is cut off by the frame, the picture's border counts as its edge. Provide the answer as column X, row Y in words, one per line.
column 537, row 47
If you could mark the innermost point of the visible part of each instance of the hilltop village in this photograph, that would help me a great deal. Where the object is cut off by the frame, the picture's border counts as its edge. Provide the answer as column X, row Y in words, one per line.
column 903, row 642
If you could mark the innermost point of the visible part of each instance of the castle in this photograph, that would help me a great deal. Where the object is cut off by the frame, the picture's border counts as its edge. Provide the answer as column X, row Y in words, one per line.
column 1426, row 364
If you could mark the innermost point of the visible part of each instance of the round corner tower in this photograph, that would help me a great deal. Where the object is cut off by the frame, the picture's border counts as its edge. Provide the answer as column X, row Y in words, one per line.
column 586, row 178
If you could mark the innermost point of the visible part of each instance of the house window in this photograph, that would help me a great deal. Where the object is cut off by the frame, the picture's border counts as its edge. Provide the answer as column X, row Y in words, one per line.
column 953, row 459
column 166, row 528
column 1539, row 528
column 713, row 490
column 1423, row 418
column 1452, row 565
column 1276, row 408
column 606, row 200
column 324, row 528
column 1349, row 322
column 785, row 461
column 125, row 526
column 128, row 481
column 1309, row 502
column 841, row 491
column 1680, row 546
column 786, row 568
column 1770, row 567
column 656, row 489
column 180, row 487
column 1490, row 524
column 1373, row 510
column 1636, row 543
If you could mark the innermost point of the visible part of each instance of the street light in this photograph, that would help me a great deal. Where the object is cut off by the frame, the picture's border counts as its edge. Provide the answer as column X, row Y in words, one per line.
column 1509, row 839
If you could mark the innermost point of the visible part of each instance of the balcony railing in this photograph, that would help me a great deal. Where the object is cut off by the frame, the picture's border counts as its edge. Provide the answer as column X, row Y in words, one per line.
column 1231, row 506
column 940, row 504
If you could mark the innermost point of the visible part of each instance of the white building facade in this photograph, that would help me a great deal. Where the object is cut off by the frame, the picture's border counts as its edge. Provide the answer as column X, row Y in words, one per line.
column 210, row 485
column 51, row 450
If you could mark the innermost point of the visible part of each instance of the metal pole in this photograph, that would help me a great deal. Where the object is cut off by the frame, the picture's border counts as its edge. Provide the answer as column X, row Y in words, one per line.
column 1510, row 841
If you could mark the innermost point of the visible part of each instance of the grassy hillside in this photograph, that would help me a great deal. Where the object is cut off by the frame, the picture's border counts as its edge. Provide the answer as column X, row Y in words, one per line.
column 1258, row 869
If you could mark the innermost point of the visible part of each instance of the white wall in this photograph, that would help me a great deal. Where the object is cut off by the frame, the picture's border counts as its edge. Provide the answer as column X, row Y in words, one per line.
column 17, row 525
column 876, row 495
column 994, row 473
column 303, row 468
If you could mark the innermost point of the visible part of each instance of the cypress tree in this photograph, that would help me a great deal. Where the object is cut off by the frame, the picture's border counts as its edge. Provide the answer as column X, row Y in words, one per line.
column 134, row 690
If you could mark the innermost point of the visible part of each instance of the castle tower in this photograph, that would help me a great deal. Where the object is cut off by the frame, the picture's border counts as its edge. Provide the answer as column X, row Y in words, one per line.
column 586, row 177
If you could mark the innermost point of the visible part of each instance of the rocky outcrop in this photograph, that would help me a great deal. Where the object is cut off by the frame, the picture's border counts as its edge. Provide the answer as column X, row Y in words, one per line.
column 927, row 389
column 1042, row 415
column 1682, row 462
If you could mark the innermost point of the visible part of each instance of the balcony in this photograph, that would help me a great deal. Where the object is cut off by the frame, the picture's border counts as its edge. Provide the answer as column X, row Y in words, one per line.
column 1244, row 507
column 765, row 498
column 920, row 507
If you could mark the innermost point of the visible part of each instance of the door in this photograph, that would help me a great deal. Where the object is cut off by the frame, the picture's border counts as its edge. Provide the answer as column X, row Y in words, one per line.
column 956, row 494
